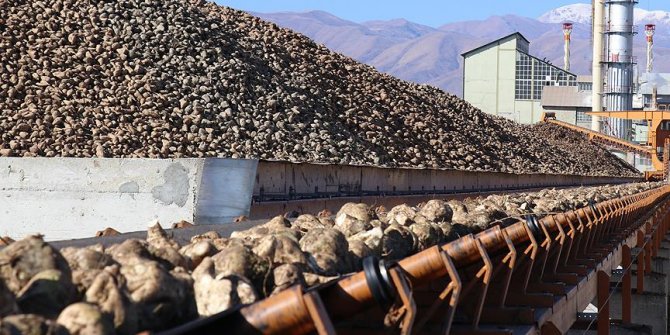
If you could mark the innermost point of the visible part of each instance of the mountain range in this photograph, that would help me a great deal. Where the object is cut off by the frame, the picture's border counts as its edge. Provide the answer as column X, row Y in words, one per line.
column 432, row 55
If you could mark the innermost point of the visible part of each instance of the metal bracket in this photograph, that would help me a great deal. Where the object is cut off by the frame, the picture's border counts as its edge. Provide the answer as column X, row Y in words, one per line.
column 510, row 260
column 485, row 274
column 451, row 291
column 406, row 311
column 322, row 322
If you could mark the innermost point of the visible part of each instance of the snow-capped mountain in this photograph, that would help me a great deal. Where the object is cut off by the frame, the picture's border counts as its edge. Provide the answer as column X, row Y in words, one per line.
column 581, row 13
column 429, row 55
column 657, row 17
column 577, row 13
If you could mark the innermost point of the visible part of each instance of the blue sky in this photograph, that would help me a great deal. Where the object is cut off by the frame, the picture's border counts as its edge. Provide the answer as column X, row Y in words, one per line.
column 428, row 12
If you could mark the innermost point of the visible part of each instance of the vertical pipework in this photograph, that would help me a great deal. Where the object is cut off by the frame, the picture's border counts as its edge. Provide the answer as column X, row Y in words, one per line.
column 597, row 71
column 567, row 30
column 654, row 94
column 620, row 63
column 649, row 31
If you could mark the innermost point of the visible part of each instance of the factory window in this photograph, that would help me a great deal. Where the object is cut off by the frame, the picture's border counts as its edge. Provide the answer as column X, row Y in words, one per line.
column 542, row 77
column 572, row 81
column 565, row 79
column 533, row 74
column 583, row 117
column 585, row 86
column 559, row 76
column 524, row 71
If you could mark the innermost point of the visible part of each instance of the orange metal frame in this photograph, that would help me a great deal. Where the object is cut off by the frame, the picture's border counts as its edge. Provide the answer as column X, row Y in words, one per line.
column 657, row 137
column 606, row 139
column 655, row 118
column 537, row 274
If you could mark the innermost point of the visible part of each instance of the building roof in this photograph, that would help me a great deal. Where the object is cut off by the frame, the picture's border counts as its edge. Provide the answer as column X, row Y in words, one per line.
column 660, row 80
column 584, row 78
column 516, row 35
column 565, row 96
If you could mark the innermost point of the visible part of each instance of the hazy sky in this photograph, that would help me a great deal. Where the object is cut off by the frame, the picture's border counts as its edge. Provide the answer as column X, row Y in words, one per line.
column 428, row 12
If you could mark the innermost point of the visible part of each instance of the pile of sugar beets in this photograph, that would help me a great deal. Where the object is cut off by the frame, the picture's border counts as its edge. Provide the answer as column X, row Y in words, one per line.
column 156, row 284
column 177, row 78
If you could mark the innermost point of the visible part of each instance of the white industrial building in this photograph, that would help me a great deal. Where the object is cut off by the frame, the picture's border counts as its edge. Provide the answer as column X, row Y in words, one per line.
column 570, row 103
column 502, row 78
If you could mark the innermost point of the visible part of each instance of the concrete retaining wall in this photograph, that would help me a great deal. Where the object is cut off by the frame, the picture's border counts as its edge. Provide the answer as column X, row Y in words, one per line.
column 281, row 180
column 67, row 198
column 309, row 188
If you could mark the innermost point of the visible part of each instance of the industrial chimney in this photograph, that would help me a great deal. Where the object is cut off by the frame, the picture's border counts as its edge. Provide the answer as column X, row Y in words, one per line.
column 567, row 30
column 597, row 70
column 649, row 31
column 620, row 62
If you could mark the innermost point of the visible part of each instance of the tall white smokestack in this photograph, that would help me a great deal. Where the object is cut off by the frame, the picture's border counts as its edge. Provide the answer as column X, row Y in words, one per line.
column 649, row 31
column 596, row 70
column 567, row 30
column 620, row 62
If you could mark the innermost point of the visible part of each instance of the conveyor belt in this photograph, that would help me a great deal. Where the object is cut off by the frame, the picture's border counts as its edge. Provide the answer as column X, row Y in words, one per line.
column 606, row 139
column 659, row 163
column 532, row 276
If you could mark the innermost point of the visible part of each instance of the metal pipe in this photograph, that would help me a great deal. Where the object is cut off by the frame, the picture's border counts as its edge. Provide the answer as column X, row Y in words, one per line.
column 597, row 71
column 654, row 97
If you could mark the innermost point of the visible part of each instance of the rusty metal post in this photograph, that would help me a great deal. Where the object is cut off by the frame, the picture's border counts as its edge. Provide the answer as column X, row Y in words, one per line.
column 648, row 246
column 656, row 239
column 626, row 287
column 603, row 303
column 647, row 258
column 640, row 263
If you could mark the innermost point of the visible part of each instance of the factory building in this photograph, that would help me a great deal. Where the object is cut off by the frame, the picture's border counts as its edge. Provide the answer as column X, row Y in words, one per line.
column 654, row 86
column 652, row 93
column 569, row 103
column 502, row 78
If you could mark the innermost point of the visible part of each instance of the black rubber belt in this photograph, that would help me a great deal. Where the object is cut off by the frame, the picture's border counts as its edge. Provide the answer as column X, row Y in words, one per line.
column 378, row 279
column 534, row 225
column 592, row 205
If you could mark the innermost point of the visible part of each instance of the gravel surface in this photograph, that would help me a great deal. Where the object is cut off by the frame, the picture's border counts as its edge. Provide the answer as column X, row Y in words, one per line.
column 173, row 78
column 157, row 283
